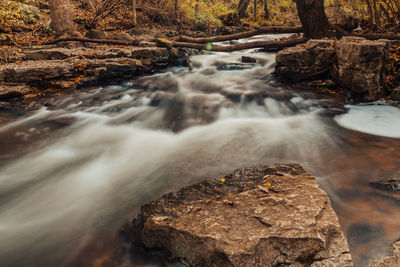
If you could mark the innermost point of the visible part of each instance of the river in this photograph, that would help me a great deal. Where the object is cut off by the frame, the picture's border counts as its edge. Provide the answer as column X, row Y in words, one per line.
column 76, row 169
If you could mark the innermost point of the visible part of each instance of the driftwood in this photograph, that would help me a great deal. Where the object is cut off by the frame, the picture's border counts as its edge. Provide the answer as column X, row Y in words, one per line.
column 89, row 40
column 266, row 45
column 241, row 35
column 206, row 42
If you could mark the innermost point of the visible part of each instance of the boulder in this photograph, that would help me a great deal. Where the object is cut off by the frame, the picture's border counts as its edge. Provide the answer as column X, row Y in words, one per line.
column 75, row 34
column 268, row 216
column 306, row 60
column 96, row 34
column 246, row 59
column 395, row 95
column 124, row 36
column 360, row 65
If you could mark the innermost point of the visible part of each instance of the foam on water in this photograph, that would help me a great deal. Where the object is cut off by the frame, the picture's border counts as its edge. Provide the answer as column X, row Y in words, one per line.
column 382, row 120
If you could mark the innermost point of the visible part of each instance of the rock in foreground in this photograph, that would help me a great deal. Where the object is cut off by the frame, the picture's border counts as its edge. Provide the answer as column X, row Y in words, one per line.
column 269, row 216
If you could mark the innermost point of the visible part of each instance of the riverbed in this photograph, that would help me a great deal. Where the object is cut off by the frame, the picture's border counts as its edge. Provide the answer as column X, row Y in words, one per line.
column 76, row 169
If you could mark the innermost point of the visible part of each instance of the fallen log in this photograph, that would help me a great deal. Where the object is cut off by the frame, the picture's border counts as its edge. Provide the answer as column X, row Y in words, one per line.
column 89, row 40
column 266, row 45
column 241, row 35
column 372, row 36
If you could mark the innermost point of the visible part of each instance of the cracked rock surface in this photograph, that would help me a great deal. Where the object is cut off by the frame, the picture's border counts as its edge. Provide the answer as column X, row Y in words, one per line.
column 268, row 216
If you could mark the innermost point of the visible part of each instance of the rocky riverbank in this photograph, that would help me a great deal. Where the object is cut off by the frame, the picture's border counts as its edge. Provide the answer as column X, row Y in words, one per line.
column 269, row 216
column 366, row 69
column 71, row 65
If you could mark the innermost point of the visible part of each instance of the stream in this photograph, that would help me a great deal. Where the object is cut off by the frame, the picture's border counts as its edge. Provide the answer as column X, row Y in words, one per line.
column 79, row 167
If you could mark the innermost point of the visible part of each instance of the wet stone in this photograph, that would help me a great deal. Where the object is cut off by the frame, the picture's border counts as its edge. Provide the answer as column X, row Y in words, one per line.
column 391, row 185
column 246, row 59
column 267, row 216
column 394, row 259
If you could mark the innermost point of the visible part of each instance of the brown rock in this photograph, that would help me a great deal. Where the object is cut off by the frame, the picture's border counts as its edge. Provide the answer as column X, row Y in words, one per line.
column 232, row 222
column 306, row 60
column 10, row 54
column 36, row 70
column 75, row 34
column 96, row 34
column 360, row 64
column 164, row 42
column 8, row 91
column 395, row 95
column 79, row 52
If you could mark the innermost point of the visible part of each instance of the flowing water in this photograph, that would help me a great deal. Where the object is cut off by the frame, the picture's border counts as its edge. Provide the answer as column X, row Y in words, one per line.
column 74, row 171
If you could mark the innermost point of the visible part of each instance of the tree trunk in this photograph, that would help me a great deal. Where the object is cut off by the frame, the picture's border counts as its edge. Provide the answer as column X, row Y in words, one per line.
column 242, row 8
column 314, row 20
column 336, row 10
column 134, row 15
column 61, row 18
column 255, row 10
column 266, row 10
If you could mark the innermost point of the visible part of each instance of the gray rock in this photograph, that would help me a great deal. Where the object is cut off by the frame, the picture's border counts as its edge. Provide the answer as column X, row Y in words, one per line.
column 306, row 60
column 124, row 36
column 75, row 34
column 360, row 64
column 269, row 216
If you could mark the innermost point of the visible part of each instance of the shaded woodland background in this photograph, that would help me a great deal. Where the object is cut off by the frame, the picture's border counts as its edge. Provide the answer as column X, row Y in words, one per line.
column 30, row 19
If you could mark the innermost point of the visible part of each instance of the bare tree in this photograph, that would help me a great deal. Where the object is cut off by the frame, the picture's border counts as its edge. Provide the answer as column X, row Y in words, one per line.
column 61, row 18
column 255, row 10
column 266, row 10
column 242, row 8
column 134, row 15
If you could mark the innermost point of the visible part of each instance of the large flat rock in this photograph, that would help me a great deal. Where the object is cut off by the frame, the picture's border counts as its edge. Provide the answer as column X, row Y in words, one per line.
column 269, row 216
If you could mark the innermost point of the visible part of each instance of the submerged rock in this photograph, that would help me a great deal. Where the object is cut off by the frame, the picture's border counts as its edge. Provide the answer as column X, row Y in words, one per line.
column 389, row 187
column 391, row 261
column 269, row 216
column 361, row 64
column 306, row 60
